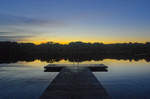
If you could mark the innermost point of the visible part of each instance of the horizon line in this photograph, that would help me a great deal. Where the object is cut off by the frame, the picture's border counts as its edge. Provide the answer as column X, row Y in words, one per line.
column 43, row 42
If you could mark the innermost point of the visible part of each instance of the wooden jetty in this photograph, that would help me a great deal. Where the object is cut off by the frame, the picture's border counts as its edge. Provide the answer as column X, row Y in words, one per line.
column 92, row 67
column 74, row 82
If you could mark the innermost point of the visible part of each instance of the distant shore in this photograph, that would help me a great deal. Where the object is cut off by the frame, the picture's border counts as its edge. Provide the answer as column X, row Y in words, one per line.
column 74, row 51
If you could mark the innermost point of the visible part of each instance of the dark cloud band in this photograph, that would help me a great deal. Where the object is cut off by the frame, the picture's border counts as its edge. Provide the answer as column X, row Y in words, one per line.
column 13, row 38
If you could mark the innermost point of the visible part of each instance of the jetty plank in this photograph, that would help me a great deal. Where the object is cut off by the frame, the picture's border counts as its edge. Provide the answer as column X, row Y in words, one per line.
column 75, row 83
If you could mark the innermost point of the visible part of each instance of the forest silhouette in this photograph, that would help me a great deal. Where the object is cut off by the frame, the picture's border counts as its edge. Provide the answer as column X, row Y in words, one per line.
column 74, row 51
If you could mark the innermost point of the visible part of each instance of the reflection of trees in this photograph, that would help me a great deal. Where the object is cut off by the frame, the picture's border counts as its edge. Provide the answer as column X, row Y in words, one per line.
column 74, row 51
column 81, row 59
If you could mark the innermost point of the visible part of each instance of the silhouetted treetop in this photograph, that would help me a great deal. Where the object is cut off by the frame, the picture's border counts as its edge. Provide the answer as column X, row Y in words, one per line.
column 74, row 50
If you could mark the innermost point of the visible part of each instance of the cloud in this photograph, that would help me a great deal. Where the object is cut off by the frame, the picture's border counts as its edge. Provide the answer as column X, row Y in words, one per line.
column 6, row 19
column 20, row 25
column 4, row 33
column 13, row 38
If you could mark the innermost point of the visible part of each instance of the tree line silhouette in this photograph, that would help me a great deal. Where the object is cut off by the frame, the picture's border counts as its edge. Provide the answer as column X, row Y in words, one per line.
column 74, row 51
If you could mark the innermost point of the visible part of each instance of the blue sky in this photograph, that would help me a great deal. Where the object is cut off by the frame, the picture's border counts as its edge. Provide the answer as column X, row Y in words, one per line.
column 63, row 21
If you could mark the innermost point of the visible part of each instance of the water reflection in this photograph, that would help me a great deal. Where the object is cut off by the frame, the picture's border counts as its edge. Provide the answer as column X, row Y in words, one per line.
column 125, row 79
column 71, row 59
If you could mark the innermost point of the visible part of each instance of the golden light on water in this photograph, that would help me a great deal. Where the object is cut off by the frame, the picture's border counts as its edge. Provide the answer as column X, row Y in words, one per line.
column 108, row 62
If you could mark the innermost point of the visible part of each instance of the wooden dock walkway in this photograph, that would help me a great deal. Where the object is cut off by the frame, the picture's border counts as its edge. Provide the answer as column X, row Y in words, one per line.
column 92, row 67
column 75, row 83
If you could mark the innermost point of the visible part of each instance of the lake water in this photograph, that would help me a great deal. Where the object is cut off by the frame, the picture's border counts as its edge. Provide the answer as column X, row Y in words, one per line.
column 124, row 80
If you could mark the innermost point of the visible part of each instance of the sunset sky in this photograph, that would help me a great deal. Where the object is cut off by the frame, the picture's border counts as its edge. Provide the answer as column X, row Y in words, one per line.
column 107, row 21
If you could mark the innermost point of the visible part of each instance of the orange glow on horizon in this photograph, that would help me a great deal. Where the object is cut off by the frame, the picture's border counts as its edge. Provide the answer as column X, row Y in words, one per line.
column 67, row 39
column 67, row 42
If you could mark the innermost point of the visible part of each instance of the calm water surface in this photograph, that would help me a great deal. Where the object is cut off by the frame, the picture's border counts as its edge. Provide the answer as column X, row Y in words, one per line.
column 124, row 79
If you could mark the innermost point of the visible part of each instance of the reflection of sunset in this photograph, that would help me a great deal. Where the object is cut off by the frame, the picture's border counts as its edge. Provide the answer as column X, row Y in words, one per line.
column 104, row 61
